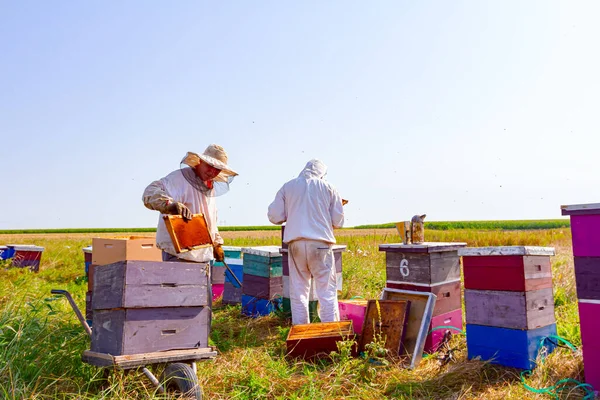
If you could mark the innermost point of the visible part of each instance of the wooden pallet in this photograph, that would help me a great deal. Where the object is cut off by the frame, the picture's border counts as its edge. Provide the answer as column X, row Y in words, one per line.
column 136, row 360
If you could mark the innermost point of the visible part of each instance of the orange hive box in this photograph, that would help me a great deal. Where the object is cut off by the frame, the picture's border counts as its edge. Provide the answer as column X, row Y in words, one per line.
column 188, row 235
column 317, row 339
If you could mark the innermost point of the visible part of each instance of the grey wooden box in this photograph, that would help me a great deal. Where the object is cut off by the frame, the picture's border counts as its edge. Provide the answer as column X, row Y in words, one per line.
column 146, row 284
column 145, row 330
column 148, row 306
column 428, row 263
column 508, row 309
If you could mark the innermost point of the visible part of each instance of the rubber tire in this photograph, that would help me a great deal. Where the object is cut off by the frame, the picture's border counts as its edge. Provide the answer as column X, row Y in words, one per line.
column 180, row 378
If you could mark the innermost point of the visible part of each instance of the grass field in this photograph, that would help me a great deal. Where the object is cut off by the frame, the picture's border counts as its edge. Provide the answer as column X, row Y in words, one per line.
column 41, row 340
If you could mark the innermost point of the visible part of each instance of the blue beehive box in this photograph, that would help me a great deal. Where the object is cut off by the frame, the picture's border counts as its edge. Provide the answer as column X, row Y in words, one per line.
column 509, row 347
column 7, row 252
column 237, row 266
column 255, row 307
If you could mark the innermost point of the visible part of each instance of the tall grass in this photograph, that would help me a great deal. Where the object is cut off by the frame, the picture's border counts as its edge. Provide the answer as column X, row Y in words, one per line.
column 41, row 340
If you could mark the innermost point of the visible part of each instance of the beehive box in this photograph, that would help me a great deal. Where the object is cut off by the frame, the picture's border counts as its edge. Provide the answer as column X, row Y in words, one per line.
column 448, row 323
column 255, row 307
column 589, row 310
column 509, row 309
column 231, row 294
column 509, row 347
column 87, row 258
column 111, row 250
column 427, row 263
column 262, row 261
column 447, row 294
column 353, row 310
column 317, row 339
column 313, row 309
column 148, row 284
column 27, row 256
column 145, row 306
column 510, row 268
column 261, row 287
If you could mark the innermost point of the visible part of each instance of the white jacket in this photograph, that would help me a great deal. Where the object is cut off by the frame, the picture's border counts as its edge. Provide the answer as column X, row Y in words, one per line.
column 174, row 187
column 310, row 206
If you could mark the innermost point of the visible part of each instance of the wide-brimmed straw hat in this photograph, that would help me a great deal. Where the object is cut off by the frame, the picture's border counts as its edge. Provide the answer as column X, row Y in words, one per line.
column 215, row 156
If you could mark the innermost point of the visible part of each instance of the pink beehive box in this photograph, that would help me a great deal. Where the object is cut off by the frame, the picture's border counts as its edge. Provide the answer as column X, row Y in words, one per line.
column 353, row 310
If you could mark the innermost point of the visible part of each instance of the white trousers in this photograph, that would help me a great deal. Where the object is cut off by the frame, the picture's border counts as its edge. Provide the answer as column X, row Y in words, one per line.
column 312, row 259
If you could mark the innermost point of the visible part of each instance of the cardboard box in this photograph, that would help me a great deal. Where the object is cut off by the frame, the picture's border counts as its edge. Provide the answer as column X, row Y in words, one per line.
column 111, row 250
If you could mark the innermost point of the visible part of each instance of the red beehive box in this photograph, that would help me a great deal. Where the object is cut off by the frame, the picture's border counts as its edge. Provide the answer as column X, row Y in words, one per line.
column 27, row 255
column 510, row 268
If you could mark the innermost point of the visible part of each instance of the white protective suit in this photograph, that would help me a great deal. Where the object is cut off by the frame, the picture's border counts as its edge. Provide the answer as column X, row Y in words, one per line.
column 174, row 187
column 311, row 208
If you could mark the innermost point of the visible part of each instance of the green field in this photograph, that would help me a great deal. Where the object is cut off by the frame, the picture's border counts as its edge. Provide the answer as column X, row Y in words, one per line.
column 41, row 340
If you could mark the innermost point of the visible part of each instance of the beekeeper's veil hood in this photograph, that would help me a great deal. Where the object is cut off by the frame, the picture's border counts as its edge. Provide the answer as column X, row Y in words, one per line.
column 314, row 169
column 215, row 156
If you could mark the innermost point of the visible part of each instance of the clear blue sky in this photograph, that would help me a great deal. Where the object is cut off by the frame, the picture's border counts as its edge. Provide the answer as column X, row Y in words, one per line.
column 463, row 110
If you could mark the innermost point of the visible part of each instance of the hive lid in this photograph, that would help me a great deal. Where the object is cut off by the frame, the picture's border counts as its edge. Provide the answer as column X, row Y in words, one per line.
column 26, row 247
column 87, row 249
column 507, row 251
column 263, row 251
column 188, row 235
column 580, row 209
column 426, row 247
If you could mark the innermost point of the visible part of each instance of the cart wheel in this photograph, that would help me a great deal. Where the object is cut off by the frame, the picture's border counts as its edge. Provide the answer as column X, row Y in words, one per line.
column 180, row 378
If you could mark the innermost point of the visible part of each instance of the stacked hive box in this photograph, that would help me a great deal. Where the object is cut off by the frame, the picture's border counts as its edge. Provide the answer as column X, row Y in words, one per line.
column 106, row 251
column 4, row 254
column 585, row 230
column 432, row 267
column 262, row 286
column 313, row 303
column 149, row 306
column 26, row 256
column 509, row 303
column 232, row 292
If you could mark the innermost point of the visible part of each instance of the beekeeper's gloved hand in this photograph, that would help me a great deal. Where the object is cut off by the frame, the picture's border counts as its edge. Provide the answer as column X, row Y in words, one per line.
column 176, row 208
column 218, row 253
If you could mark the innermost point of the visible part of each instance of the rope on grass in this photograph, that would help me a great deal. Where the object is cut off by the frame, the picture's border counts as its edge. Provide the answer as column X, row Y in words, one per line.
column 562, row 384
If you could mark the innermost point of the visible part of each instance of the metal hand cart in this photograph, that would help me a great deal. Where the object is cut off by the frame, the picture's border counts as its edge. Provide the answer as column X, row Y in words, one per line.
column 179, row 375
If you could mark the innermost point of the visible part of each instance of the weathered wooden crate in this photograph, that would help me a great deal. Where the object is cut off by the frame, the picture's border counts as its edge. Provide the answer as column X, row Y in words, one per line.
column 509, row 309
column 111, row 250
column 589, row 310
column 317, row 339
column 385, row 319
column 426, row 263
column 447, row 293
column 587, row 277
column 144, row 330
column 146, row 284
column 515, row 268
column 261, row 287
column 437, row 329
column 262, row 261
column 509, row 347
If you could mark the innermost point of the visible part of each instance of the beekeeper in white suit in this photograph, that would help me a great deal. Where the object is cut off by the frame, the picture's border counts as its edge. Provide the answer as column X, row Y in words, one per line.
column 191, row 190
column 311, row 208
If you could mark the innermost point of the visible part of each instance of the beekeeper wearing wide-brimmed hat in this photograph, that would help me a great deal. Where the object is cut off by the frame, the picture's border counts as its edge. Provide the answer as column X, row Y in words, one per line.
column 189, row 190
column 311, row 207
